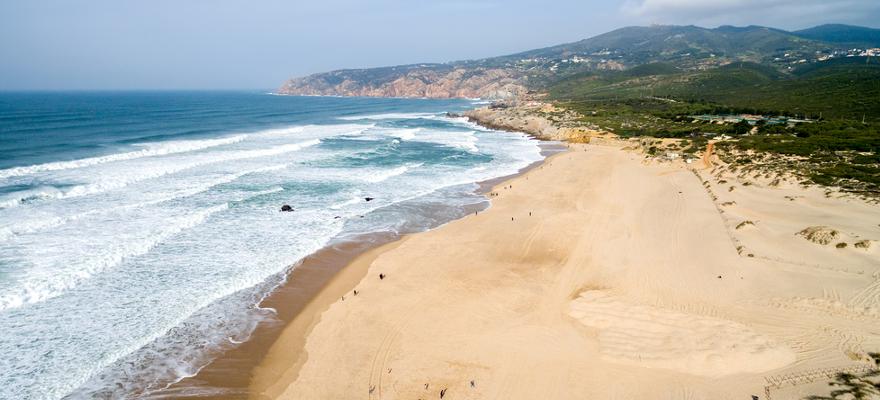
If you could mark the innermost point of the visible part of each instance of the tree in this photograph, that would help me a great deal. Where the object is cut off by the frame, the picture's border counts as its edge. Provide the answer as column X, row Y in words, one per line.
column 741, row 128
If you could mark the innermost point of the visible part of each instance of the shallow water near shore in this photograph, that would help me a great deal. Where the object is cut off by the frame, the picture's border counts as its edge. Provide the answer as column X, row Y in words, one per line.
column 140, row 230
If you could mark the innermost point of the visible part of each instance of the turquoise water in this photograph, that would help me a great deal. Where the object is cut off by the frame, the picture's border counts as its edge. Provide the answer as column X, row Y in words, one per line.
column 138, row 231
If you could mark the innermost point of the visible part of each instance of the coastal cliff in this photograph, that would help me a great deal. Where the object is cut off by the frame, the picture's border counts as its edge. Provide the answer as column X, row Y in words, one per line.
column 541, row 120
column 430, row 81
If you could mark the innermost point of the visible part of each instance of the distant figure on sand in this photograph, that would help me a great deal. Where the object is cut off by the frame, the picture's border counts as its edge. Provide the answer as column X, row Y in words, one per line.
column 381, row 276
column 442, row 393
column 472, row 384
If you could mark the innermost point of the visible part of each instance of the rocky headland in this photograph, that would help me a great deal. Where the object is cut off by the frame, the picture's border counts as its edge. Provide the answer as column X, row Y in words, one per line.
column 429, row 81
column 541, row 120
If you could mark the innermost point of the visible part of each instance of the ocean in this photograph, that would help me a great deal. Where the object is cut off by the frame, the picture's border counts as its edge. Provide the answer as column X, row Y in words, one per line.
column 140, row 230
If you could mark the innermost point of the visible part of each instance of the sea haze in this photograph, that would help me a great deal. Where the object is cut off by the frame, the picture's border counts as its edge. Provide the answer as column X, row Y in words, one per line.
column 138, row 231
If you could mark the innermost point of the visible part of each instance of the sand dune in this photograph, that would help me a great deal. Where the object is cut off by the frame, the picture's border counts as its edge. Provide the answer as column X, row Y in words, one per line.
column 601, row 275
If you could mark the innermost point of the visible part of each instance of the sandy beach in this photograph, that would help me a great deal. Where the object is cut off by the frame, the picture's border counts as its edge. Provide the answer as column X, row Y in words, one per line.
column 577, row 200
column 600, row 274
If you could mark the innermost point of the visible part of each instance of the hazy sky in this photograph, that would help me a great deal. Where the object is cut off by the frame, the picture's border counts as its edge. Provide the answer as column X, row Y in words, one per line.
column 215, row 44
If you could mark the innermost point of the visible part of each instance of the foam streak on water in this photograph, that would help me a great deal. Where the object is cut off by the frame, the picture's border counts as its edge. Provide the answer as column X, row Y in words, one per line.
column 151, row 150
column 137, row 241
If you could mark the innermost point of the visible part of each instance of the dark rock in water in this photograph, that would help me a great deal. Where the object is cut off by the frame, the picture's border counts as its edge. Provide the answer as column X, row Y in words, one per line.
column 337, row 217
column 369, row 198
column 286, row 208
column 454, row 115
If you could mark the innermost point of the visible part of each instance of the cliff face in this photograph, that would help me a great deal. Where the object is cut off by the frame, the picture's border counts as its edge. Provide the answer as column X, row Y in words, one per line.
column 541, row 120
column 425, row 81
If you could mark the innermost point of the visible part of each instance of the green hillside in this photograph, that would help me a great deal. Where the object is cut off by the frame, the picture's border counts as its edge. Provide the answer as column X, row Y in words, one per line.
column 661, row 100
column 838, row 33
column 683, row 48
column 844, row 89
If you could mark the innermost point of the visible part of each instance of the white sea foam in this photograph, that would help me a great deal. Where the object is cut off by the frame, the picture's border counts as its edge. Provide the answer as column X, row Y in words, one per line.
column 157, row 149
column 466, row 140
column 381, row 176
column 170, row 249
column 405, row 134
column 265, row 192
column 280, row 131
column 321, row 130
column 346, row 203
column 390, row 116
column 39, row 224
column 41, row 286
column 469, row 142
column 361, row 129
column 119, row 181
column 151, row 150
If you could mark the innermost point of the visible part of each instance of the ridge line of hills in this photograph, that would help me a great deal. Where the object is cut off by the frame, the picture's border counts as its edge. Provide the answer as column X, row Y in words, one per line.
column 832, row 70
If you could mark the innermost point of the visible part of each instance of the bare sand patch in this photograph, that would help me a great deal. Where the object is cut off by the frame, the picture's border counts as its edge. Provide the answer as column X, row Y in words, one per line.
column 648, row 336
column 602, row 275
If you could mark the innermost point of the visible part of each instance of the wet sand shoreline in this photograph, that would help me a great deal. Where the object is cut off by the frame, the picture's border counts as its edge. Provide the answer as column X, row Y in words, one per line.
column 308, row 289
